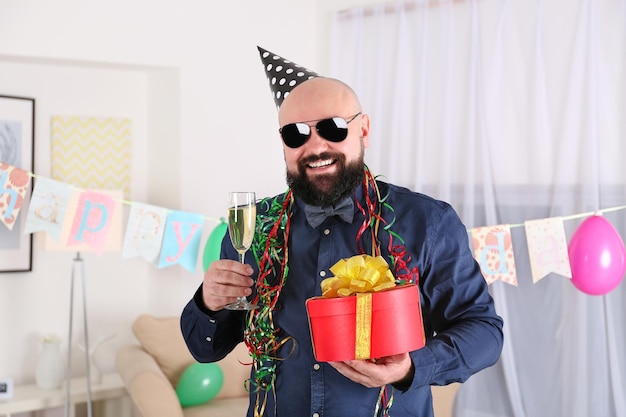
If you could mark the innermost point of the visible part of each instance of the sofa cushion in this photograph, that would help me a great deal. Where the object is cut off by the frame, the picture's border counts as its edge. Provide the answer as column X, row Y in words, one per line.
column 163, row 339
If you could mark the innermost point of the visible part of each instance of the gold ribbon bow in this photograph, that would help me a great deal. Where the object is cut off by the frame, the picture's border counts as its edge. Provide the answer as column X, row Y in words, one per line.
column 360, row 275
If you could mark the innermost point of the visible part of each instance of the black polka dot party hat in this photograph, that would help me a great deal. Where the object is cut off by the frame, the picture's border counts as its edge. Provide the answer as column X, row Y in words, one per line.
column 283, row 75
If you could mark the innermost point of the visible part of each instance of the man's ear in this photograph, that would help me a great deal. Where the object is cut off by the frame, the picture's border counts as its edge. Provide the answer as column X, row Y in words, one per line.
column 365, row 130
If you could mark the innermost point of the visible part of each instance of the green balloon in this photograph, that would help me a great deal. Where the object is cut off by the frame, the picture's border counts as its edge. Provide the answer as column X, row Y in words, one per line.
column 199, row 383
column 213, row 245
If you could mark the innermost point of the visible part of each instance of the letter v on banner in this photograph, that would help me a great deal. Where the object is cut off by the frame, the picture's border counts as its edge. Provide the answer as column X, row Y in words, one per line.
column 493, row 250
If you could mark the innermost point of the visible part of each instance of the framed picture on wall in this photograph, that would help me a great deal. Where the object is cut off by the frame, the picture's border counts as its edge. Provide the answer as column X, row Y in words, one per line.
column 17, row 140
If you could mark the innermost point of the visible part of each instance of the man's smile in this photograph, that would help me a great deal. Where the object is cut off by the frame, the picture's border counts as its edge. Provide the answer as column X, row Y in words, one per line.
column 322, row 163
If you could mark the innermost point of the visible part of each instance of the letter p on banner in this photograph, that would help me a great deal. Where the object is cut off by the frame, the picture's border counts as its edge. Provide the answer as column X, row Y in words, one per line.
column 92, row 220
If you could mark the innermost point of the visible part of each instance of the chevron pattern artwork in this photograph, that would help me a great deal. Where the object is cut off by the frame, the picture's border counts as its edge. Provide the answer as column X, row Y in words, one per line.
column 92, row 152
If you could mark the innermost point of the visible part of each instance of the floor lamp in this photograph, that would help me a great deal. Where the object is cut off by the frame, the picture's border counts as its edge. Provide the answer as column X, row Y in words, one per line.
column 78, row 263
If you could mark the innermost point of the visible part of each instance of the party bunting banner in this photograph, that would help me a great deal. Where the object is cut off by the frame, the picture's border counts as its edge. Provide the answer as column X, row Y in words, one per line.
column 91, row 220
column 547, row 248
column 144, row 233
column 493, row 249
column 14, row 184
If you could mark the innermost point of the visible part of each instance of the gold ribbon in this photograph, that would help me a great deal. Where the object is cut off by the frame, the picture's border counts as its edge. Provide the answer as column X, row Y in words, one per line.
column 362, row 347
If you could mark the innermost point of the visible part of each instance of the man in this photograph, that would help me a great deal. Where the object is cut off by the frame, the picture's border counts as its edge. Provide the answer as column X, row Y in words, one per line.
column 325, row 133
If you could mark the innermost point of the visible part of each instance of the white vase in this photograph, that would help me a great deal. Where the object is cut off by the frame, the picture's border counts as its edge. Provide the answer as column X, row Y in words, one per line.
column 50, row 368
column 94, row 372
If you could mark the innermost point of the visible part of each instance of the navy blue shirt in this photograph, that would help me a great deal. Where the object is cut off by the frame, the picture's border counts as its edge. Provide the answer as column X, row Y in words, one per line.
column 463, row 331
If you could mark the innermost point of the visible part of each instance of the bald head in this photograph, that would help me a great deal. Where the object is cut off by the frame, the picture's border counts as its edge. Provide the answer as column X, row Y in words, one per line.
column 318, row 98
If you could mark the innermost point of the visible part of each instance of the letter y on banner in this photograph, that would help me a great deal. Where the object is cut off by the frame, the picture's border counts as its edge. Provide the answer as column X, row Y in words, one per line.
column 181, row 242
column 493, row 250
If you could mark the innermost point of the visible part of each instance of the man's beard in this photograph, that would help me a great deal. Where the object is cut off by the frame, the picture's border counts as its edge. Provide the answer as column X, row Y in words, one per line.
column 326, row 190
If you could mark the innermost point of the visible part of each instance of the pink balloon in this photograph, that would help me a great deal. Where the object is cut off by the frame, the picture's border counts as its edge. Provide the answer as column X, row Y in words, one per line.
column 597, row 256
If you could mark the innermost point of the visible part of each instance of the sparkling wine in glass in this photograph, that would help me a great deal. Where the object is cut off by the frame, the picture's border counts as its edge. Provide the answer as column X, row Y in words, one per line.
column 241, row 222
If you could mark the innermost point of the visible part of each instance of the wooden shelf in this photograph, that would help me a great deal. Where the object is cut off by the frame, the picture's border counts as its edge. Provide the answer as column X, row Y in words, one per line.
column 31, row 397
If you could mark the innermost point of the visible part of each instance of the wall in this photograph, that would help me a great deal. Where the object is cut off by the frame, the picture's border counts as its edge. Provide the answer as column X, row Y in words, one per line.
column 189, row 77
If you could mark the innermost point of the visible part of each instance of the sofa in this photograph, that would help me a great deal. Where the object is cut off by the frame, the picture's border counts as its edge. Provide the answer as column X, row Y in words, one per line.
column 152, row 367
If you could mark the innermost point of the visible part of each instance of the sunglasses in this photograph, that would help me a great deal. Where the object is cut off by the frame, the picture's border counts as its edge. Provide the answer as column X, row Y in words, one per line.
column 334, row 129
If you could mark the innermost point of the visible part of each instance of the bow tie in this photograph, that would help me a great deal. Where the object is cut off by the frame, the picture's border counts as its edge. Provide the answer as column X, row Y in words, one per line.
column 316, row 215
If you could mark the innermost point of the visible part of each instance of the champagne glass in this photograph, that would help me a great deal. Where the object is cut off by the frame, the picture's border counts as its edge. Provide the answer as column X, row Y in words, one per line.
column 241, row 221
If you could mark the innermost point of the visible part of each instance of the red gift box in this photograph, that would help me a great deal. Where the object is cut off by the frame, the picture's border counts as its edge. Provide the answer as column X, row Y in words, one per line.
column 366, row 325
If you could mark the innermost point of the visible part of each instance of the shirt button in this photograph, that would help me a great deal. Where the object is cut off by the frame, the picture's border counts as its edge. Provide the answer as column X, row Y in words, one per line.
column 322, row 273
column 316, row 367
column 316, row 414
column 326, row 232
column 211, row 320
column 208, row 338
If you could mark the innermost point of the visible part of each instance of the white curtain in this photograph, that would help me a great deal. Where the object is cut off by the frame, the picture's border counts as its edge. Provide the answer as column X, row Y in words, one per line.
column 511, row 110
